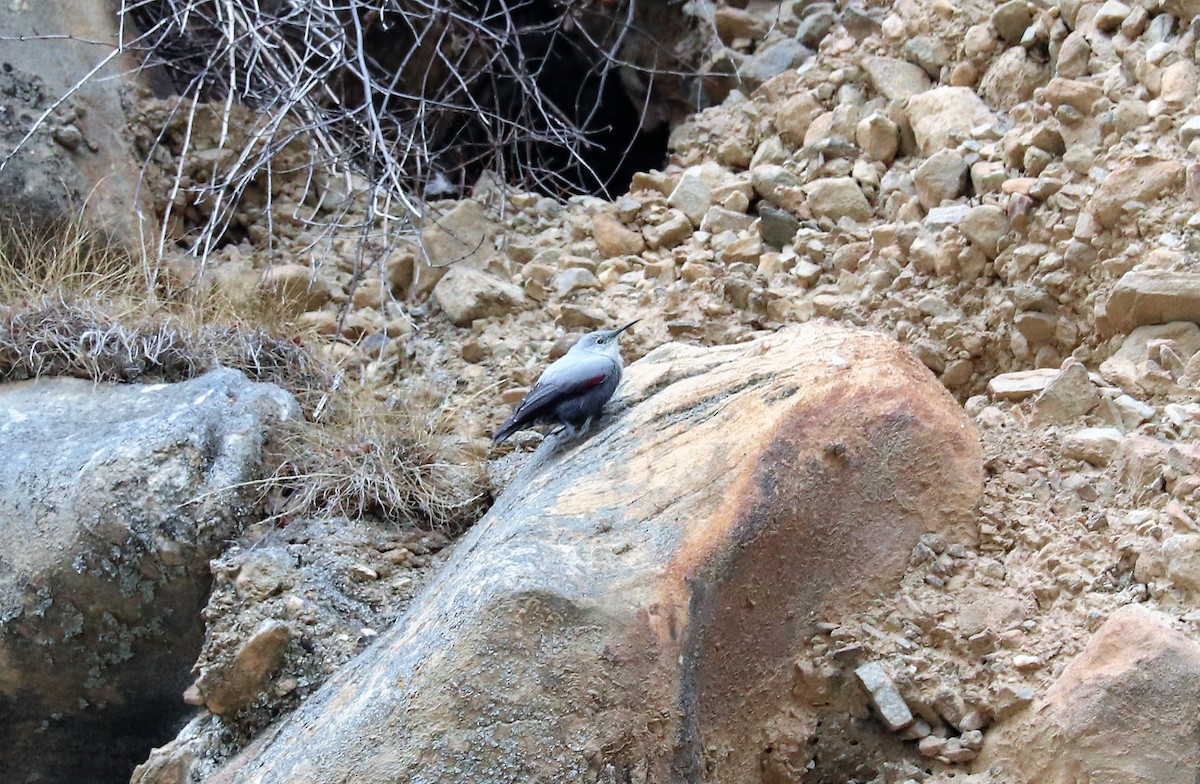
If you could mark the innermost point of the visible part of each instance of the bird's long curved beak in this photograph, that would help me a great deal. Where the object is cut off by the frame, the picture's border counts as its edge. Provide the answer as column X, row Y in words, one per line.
column 619, row 330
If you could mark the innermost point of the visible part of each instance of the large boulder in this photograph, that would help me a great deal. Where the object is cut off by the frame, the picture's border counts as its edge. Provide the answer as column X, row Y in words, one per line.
column 633, row 603
column 81, row 156
column 113, row 498
column 1125, row 711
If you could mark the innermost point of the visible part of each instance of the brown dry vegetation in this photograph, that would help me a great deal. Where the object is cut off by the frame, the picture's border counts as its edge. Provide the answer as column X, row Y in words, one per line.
column 398, row 462
column 75, row 304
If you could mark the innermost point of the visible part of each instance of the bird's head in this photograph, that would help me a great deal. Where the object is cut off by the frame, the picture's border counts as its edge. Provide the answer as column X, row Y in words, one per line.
column 603, row 341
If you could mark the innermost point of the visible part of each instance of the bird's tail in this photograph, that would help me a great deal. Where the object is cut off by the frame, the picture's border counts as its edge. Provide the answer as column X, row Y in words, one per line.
column 510, row 426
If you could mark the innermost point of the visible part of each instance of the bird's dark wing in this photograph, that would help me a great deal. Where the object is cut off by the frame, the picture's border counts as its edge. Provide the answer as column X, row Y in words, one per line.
column 557, row 384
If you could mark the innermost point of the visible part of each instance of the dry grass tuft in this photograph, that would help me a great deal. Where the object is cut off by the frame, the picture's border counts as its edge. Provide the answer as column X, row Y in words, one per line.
column 67, row 259
column 369, row 458
column 73, row 304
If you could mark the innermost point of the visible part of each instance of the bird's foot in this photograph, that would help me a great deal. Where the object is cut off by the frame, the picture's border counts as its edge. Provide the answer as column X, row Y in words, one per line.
column 569, row 432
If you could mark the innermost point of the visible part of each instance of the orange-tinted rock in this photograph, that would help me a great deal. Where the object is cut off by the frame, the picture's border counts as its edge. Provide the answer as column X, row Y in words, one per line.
column 1124, row 711
column 252, row 666
column 636, row 599
column 613, row 238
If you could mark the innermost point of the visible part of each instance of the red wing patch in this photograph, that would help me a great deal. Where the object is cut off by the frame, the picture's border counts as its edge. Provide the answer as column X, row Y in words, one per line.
column 595, row 380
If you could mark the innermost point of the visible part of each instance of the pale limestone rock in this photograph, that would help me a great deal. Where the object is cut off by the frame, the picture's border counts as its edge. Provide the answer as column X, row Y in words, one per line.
column 466, row 294
column 1132, row 412
column 770, row 180
column 1012, row 78
column 587, row 317
column 1189, row 131
column 1145, row 463
column 837, row 197
column 693, row 195
column 734, row 23
column 296, row 287
column 1020, row 384
column 1110, row 16
column 895, row 79
column 1138, row 182
column 1079, row 95
column 613, row 238
column 1012, row 19
column 575, row 279
column 744, row 249
column 929, row 52
column 1125, row 710
column 770, row 150
column 1183, row 336
column 1095, row 445
column 940, row 177
column 985, row 226
column 939, row 218
column 671, row 231
column 1178, row 86
column 981, row 610
column 1068, row 396
column 465, row 236
column 1036, row 327
column 1144, row 297
column 892, row 709
column 944, row 112
column 1181, row 555
column 399, row 268
column 878, row 137
column 1073, row 56
column 719, row 219
column 795, row 115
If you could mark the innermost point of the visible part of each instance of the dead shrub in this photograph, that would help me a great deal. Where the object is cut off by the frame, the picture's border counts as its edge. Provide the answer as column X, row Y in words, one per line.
column 402, row 100
column 370, row 458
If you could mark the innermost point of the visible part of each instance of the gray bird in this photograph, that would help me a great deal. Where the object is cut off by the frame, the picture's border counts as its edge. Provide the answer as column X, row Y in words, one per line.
column 574, row 388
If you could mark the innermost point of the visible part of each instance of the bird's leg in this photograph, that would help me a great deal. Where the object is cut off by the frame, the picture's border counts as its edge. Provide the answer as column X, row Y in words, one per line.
column 587, row 425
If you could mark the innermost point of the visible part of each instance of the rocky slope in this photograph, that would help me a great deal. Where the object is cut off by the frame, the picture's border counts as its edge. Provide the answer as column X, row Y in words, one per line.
column 1009, row 190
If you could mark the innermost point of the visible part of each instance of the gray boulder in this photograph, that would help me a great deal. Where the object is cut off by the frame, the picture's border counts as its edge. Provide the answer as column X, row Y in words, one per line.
column 113, row 498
